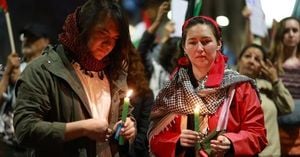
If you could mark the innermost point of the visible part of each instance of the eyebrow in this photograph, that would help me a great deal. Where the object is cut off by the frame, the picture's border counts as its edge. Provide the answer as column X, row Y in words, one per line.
column 201, row 38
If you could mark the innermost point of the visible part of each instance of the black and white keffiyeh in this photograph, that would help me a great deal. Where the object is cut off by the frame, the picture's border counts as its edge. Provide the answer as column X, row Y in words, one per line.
column 179, row 95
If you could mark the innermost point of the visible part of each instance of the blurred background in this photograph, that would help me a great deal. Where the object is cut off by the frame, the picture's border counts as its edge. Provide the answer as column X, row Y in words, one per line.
column 141, row 13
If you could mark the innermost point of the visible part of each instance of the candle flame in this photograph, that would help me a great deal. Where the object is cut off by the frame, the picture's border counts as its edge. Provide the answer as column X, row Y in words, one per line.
column 197, row 109
column 129, row 92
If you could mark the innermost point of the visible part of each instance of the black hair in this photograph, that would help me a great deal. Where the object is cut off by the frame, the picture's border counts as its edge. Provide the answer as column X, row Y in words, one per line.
column 261, row 48
column 169, row 54
column 95, row 12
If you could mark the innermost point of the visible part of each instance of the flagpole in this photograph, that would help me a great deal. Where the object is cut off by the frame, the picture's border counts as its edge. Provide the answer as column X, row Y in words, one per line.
column 10, row 33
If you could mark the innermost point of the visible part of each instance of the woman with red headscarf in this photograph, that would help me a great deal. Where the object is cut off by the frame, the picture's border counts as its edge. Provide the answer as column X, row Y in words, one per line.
column 231, row 121
column 69, row 100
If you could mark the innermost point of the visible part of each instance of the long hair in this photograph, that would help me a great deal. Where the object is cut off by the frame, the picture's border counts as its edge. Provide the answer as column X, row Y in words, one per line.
column 136, row 78
column 96, row 12
column 277, row 53
column 169, row 54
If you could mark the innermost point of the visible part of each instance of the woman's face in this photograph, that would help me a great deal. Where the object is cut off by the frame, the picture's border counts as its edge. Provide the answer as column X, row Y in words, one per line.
column 103, row 39
column 201, row 46
column 291, row 37
column 250, row 62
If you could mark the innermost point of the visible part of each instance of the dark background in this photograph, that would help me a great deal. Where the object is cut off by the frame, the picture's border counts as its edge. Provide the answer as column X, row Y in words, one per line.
column 51, row 13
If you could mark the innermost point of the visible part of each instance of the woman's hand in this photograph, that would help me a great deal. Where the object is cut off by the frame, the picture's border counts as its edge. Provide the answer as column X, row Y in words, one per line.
column 188, row 138
column 220, row 146
column 128, row 130
column 269, row 71
column 97, row 129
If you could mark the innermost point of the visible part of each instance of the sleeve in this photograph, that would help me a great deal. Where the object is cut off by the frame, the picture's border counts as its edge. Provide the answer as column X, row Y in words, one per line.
column 248, row 135
column 144, row 49
column 141, row 113
column 164, row 144
column 32, row 108
column 282, row 98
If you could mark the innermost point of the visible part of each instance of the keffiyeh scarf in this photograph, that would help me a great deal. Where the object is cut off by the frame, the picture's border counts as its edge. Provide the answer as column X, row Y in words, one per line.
column 179, row 95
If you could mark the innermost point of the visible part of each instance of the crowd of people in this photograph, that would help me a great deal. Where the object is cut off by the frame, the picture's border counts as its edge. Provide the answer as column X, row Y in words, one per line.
column 71, row 98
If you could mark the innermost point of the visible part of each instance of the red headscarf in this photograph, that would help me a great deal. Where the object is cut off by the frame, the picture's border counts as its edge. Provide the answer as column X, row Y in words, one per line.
column 78, row 49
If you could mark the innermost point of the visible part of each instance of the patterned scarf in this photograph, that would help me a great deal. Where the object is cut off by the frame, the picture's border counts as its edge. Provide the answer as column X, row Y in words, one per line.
column 179, row 95
column 78, row 49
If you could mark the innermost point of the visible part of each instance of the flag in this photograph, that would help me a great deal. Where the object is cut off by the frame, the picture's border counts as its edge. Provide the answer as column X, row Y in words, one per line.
column 3, row 5
column 194, row 8
column 197, row 7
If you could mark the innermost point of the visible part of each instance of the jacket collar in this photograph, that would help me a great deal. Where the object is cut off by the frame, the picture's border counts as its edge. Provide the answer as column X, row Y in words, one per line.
column 59, row 65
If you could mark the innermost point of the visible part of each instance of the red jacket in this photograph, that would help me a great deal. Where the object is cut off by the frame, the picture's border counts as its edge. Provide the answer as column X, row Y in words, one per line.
column 245, row 127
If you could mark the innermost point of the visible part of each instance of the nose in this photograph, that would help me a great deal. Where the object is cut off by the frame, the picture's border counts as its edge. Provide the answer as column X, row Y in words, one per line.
column 199, row 47
column 290, row 33
column 252, row 60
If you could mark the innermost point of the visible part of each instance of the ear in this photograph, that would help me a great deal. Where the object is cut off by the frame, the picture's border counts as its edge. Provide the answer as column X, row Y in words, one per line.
column 219, row 45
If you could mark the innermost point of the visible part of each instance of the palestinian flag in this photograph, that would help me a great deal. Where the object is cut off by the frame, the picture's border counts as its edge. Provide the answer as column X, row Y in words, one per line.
column 194, row 8
column 197, row 7
column 3, row 5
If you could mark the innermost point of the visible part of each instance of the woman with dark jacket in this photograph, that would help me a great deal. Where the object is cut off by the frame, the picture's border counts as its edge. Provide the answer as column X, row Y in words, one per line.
column 69, row 99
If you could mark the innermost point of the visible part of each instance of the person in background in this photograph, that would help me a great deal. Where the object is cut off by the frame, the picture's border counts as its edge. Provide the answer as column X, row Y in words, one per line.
column 276, row 100
column 34, row 38
column 69, row 100
column 285, row 52
column 231, row 120
column 8, row 143
column 159, row 57
column 142, row 100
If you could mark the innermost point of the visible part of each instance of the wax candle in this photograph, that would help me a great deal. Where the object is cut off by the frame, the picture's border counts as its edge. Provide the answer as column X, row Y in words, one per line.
column 196, row 123
column 125, row 113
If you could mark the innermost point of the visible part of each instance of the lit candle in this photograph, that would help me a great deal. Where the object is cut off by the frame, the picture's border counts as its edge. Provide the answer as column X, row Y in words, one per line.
column 125, row 113
column 196, row 123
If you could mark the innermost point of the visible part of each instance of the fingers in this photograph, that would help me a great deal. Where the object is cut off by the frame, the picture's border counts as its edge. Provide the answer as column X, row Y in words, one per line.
column 13, row 60
column 269, row 70
column 163, row 9
column 116, row 125
column 108, row 134
column 221, row 145
column 128, row 130
column 263, row 64
column 269, row 63
column 165, row 6
column 188, row 138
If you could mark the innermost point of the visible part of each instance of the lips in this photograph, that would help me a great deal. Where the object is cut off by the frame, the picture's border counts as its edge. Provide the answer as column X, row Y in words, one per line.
column 200, row 57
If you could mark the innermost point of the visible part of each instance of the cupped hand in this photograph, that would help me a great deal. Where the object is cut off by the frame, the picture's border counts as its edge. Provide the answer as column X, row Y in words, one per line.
column 220, row 146
column 128, row 130
column 188, row 138
column 97, row 129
